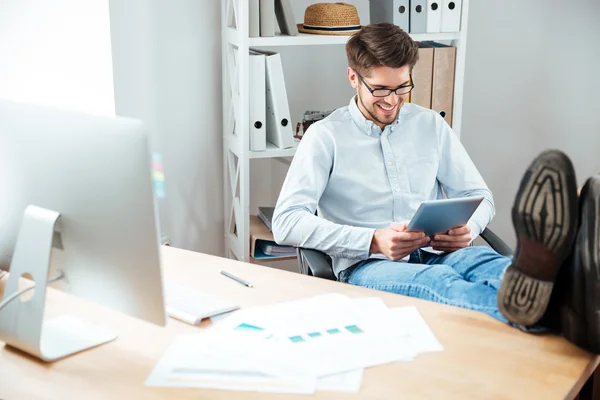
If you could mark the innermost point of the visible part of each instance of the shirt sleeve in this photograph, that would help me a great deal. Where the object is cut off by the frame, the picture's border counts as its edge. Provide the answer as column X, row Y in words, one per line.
column 294, row 219
column 460, row 178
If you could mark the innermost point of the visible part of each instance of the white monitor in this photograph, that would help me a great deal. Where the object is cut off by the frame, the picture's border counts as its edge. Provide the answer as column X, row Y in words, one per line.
column 77, row 187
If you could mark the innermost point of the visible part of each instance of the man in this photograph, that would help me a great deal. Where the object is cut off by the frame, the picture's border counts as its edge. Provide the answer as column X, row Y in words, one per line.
column 369, row 165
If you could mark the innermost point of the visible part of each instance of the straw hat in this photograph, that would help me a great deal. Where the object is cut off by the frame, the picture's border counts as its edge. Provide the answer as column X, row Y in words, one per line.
column 339, row 19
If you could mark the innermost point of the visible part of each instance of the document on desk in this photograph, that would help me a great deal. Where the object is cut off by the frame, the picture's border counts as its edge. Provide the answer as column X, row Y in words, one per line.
column 327, row 334
column 318, row 343
column 194, row 361
column 416, row 331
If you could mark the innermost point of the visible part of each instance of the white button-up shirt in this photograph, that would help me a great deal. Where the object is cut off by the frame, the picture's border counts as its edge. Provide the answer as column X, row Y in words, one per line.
column 363, row 179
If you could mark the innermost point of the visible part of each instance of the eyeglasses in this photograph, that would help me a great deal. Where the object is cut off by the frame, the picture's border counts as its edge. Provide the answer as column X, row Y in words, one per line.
column 400, row 90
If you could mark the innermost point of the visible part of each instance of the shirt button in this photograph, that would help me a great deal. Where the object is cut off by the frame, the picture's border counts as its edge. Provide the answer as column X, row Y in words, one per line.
column 389, row 163
column 397, row 190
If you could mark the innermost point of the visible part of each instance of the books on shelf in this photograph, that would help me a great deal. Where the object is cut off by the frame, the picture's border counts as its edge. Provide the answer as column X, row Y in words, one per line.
column 418, row 16
column 263, row 245
column 285, row 17
column 433, row 76
column 264, row 13
column 278, row 129
column 257, row 103
column 442, row 81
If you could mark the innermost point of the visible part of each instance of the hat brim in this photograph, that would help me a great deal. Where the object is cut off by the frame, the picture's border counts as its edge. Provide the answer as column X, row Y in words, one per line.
column 301, row 29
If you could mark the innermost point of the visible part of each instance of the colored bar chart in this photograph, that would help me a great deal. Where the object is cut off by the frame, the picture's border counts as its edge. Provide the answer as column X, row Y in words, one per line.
column 351, row 329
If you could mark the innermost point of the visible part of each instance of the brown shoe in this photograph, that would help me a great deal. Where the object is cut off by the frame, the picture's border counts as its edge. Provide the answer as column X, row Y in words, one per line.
column 545, row 219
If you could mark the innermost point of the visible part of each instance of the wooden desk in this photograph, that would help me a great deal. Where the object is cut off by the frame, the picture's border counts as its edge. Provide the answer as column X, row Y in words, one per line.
column 483, row 358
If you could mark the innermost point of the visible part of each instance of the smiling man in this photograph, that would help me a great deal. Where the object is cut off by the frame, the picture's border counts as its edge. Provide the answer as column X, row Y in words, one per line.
column 368, row 166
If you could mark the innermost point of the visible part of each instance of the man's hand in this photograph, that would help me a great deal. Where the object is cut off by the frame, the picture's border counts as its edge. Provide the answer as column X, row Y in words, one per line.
column 456, row 239
column 395, row 243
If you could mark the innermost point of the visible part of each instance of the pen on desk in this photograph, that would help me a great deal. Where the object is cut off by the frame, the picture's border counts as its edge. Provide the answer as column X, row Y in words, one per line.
column 235, row 278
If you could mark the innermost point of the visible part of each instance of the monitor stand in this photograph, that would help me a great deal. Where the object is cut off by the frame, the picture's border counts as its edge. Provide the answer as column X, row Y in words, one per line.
column 22, row 323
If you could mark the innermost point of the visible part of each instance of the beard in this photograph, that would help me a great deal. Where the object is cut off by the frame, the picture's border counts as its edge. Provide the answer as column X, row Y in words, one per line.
column 377, row 114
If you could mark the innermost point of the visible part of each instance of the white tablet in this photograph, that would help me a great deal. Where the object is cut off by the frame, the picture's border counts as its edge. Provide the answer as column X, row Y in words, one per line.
column 439, row 216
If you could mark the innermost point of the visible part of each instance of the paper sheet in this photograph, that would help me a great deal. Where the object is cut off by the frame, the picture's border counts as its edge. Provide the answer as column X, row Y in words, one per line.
column 191, row 362
column 318, row 343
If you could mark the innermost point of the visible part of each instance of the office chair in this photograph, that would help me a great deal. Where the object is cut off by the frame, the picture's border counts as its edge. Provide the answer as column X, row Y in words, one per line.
column 315, row 263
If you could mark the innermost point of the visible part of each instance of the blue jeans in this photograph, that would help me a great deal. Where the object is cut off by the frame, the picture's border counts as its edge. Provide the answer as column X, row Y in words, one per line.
column 467, row 278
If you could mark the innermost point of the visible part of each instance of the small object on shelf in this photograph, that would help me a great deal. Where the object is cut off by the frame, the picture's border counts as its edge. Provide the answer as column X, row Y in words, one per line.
column 309, row 118
column 330, row 19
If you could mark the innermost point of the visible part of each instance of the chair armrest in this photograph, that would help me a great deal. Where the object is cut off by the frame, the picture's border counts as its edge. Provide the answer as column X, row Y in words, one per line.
column 315, row 263
column 496, row 243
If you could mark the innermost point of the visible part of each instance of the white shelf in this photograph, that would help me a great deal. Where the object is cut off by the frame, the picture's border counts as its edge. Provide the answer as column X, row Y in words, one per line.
column 236, row 134
column 314, row 40
column 274, row 151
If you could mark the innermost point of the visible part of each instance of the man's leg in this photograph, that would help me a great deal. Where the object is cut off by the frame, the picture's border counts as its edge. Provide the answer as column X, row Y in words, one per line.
column 439, row 283
column 545, row 219
column 586, row 270
column 477, row 264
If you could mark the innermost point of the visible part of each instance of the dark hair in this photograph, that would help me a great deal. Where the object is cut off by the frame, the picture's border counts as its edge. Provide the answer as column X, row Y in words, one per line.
column 381, row 44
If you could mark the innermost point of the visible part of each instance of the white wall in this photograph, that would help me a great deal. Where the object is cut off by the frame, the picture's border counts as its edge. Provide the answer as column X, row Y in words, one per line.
column 168, row 72
column 57, row 53
column 531, row 83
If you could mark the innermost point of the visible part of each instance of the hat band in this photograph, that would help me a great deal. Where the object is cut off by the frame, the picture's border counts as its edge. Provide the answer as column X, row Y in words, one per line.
column 331, row 28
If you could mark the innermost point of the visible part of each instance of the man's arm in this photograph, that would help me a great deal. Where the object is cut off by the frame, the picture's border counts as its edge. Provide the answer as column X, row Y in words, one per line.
column 294, row 219
column 460, row 178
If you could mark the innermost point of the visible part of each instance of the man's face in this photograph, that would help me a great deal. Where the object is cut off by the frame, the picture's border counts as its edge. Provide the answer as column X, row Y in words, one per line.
column 381, row 110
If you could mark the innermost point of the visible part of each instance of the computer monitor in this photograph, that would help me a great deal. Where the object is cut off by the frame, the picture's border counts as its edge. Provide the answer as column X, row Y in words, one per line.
column 94, row 174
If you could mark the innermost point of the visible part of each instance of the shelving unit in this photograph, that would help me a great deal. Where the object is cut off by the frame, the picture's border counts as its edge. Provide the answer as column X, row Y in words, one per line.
column 235, row 79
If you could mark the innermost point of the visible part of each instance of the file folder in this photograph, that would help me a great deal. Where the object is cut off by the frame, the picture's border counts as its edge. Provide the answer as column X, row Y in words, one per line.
column 267, row 18
column 393, row 11
column 434, row 16
column 442, row 93
column 418, row 16
column 279, row 124
column 285, row 17
column 254, row 22
column 451, row 11
column 257, row 97
column 422, row 76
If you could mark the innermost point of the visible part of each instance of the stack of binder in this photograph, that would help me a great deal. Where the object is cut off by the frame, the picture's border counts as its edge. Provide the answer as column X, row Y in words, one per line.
column 433, row 76
column 263, row 13
column 418, row 16
column 269, row 109
column 262, row 243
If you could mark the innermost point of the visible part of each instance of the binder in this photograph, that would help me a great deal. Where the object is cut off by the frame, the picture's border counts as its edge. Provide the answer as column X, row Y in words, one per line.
column 451, row 11
column 279, row 124
column 267, row 17
column 257, row 96
column 393, row 11
column 434, row 16
column 418, row 16
column 442, row 93
column 254, row 22
column 285, row 17
column 259, row 236
column 422, row 76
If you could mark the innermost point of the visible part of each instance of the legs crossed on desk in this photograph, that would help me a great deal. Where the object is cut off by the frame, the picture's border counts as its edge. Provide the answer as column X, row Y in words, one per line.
column 468, row 278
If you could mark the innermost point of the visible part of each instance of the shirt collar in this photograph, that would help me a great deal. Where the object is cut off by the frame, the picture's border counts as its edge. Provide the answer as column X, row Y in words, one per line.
column 369, row 127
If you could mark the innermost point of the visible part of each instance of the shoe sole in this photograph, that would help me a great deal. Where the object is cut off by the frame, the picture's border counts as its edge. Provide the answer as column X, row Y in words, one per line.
column 588, row 252
column 544, row 216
